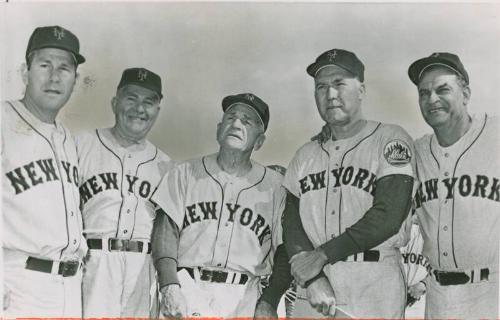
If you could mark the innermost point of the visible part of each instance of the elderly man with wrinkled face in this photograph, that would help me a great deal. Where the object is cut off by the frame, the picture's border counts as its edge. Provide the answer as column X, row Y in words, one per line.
column 119, row 171
column 219, row 221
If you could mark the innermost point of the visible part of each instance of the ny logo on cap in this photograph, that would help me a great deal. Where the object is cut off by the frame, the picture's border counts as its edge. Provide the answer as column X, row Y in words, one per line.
column 142, row 75
column 249, row 96
column 58, row 33
column 332, row 55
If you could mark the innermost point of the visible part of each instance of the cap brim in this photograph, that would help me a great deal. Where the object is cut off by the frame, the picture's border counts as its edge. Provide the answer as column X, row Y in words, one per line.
column 416, row 68
column 78, row 57
column 229, row 101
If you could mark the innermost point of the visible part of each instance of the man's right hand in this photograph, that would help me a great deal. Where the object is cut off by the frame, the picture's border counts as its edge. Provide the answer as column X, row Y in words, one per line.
column 321, row 297
column 173, row 302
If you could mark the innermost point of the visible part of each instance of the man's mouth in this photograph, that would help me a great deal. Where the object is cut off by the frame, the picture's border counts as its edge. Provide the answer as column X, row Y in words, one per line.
column 52, row 91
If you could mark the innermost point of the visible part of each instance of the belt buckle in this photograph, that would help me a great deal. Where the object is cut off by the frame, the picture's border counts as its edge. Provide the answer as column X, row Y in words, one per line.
column 207, row 275
column 118, row 244
column 69, row 268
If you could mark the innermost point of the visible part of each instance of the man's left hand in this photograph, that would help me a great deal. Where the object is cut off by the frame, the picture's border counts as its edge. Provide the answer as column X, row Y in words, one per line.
column 306, row 265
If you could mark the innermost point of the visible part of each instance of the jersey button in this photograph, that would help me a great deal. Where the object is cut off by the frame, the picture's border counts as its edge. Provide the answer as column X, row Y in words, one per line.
column 227, row 224
column 446, row 174
column 445, row 254
column 74, row 241
column 333, row 211
column 337, row 147
column 128, row 210
column 129, row 156
column 72, row 213
column 335, row 190
column 333, row 236
column 219, row 265
column 445, row 228
column 125, row 231
column 446, row 154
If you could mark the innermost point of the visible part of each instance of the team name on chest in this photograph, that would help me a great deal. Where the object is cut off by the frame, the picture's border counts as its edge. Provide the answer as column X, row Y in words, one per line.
column 202, row 211
column 465, row 186
column 415, row 258
column 343, row 176
column 109, row 181
column 39, row 172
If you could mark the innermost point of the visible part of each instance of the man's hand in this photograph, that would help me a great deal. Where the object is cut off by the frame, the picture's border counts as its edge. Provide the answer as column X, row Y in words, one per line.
column 264, row 310
column 173, row 302
column 414, row 293
column 321, row 297
column 307, row 264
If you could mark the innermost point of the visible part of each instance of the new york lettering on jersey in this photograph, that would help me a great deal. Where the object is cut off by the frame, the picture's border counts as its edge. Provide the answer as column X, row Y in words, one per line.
column 116, row 186
column 47, row 166
column 339, row 181
column 225, row 222
column 465, row 190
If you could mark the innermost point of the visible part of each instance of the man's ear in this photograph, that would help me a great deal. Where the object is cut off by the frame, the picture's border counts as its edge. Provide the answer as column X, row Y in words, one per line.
column 24, row 73
column 362, row 91
column 259, row 141
column 114, row 102
column 467, row 93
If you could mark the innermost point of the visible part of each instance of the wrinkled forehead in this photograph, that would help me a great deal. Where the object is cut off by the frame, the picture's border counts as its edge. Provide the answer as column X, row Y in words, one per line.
column 333, row 72
column 135, row 90
column 437, row 75
column 53, row 54
column 244, row 110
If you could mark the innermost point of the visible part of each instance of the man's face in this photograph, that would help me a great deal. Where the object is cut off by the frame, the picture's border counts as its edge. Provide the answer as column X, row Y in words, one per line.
column 442, row 100
column 136, row 109
column 241, row 129
column 338, row 95
column 50, row 78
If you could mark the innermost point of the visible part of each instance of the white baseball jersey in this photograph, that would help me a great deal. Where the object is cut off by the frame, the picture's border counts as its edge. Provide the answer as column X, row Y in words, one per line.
column 335, row 181
column 415, row 263
column 225, row 222
column 116, row 186
column 458, row 200
column 41, row 215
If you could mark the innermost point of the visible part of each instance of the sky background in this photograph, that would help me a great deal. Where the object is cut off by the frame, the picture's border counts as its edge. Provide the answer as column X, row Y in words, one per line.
column 204, row 51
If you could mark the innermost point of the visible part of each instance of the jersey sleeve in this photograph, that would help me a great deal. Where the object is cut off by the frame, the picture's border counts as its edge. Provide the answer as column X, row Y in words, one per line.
column 291, row 180
column 171, row 192
column 279, row 207
column 396, row 152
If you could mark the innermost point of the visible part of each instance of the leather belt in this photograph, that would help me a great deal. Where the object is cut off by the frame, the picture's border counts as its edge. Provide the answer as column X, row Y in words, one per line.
column 367, row 256
column 230, row 277
column 119, row 245
column 63, row 268
column 446, row 278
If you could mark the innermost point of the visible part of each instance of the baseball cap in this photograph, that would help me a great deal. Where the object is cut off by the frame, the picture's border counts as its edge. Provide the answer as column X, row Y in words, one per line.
column 341, row 58
column 54, row 37
column 250, row 100
column 446, row 59
column 143, row 78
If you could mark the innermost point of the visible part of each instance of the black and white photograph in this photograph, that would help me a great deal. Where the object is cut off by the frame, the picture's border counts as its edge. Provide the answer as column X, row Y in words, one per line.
column 250, row 159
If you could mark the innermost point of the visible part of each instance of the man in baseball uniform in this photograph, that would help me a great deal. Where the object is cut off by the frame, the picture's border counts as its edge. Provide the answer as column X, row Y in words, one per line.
column 458, row 199
column 119, row 171
column 347, row 199
column 219, row 222
column 43, row 245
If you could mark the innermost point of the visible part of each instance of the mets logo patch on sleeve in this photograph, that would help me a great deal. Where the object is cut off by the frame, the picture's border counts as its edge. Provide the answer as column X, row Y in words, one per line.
column 397, row 153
